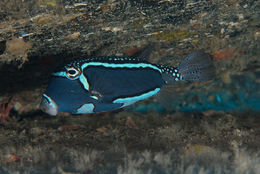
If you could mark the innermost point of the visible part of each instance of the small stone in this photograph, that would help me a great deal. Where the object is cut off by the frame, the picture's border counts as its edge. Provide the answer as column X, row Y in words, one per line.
column 226, row 77
column 223, row 54
column 102, row 129
column 132, row 51
column 13, row 158
column 74, row 35
column 68, row 127
column 37, row 131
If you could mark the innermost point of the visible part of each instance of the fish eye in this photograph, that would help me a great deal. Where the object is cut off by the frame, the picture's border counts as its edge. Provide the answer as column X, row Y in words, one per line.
column 72, row 72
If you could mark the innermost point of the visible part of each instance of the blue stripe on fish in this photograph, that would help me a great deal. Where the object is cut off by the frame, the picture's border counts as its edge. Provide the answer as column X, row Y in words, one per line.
column 61, row 74
column 84, row 80
column 114, row 83
column 121, row 65
column 132, row 63
column 130, row 100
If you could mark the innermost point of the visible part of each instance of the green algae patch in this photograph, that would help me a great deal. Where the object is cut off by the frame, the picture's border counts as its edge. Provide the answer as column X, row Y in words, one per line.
column 44, row 20
column 139, row 23
column 254, row 22
column 175, row 35
column 52, row 3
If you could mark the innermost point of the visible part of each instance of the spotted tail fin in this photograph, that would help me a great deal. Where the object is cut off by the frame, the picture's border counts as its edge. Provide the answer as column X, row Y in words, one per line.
column 197, row 66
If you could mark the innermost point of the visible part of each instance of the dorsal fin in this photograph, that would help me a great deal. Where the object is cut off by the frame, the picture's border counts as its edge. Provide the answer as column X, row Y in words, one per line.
column 114, row 60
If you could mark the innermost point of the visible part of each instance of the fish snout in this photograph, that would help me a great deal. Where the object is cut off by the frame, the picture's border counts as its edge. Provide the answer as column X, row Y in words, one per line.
column 48, row 105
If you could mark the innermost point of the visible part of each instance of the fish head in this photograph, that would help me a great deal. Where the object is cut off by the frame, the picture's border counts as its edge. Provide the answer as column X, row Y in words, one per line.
column 67, row 92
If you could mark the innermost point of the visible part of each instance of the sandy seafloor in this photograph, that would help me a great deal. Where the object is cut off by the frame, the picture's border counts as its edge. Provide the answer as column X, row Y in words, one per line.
column 206, row 128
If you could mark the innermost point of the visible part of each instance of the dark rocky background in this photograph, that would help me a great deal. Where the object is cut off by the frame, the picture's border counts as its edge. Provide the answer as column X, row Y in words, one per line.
column 209, row 127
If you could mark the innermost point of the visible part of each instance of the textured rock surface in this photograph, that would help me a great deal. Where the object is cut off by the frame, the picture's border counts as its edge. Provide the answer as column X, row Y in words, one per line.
column 38, row 36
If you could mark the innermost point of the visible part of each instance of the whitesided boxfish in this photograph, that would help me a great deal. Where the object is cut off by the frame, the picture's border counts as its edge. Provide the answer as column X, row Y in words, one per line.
column 102, row 84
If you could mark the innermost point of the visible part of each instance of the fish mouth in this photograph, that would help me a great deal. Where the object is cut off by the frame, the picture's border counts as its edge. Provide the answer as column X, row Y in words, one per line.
column 48, row 105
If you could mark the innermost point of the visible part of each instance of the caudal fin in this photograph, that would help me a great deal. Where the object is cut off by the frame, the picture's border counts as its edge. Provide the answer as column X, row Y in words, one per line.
column 198, row 66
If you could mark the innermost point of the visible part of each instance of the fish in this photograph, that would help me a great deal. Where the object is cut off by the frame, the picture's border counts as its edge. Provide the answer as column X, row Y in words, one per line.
column 103, row 84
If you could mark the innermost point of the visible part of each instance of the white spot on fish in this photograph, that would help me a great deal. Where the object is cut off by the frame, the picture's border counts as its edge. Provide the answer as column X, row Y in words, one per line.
column 86, row 109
